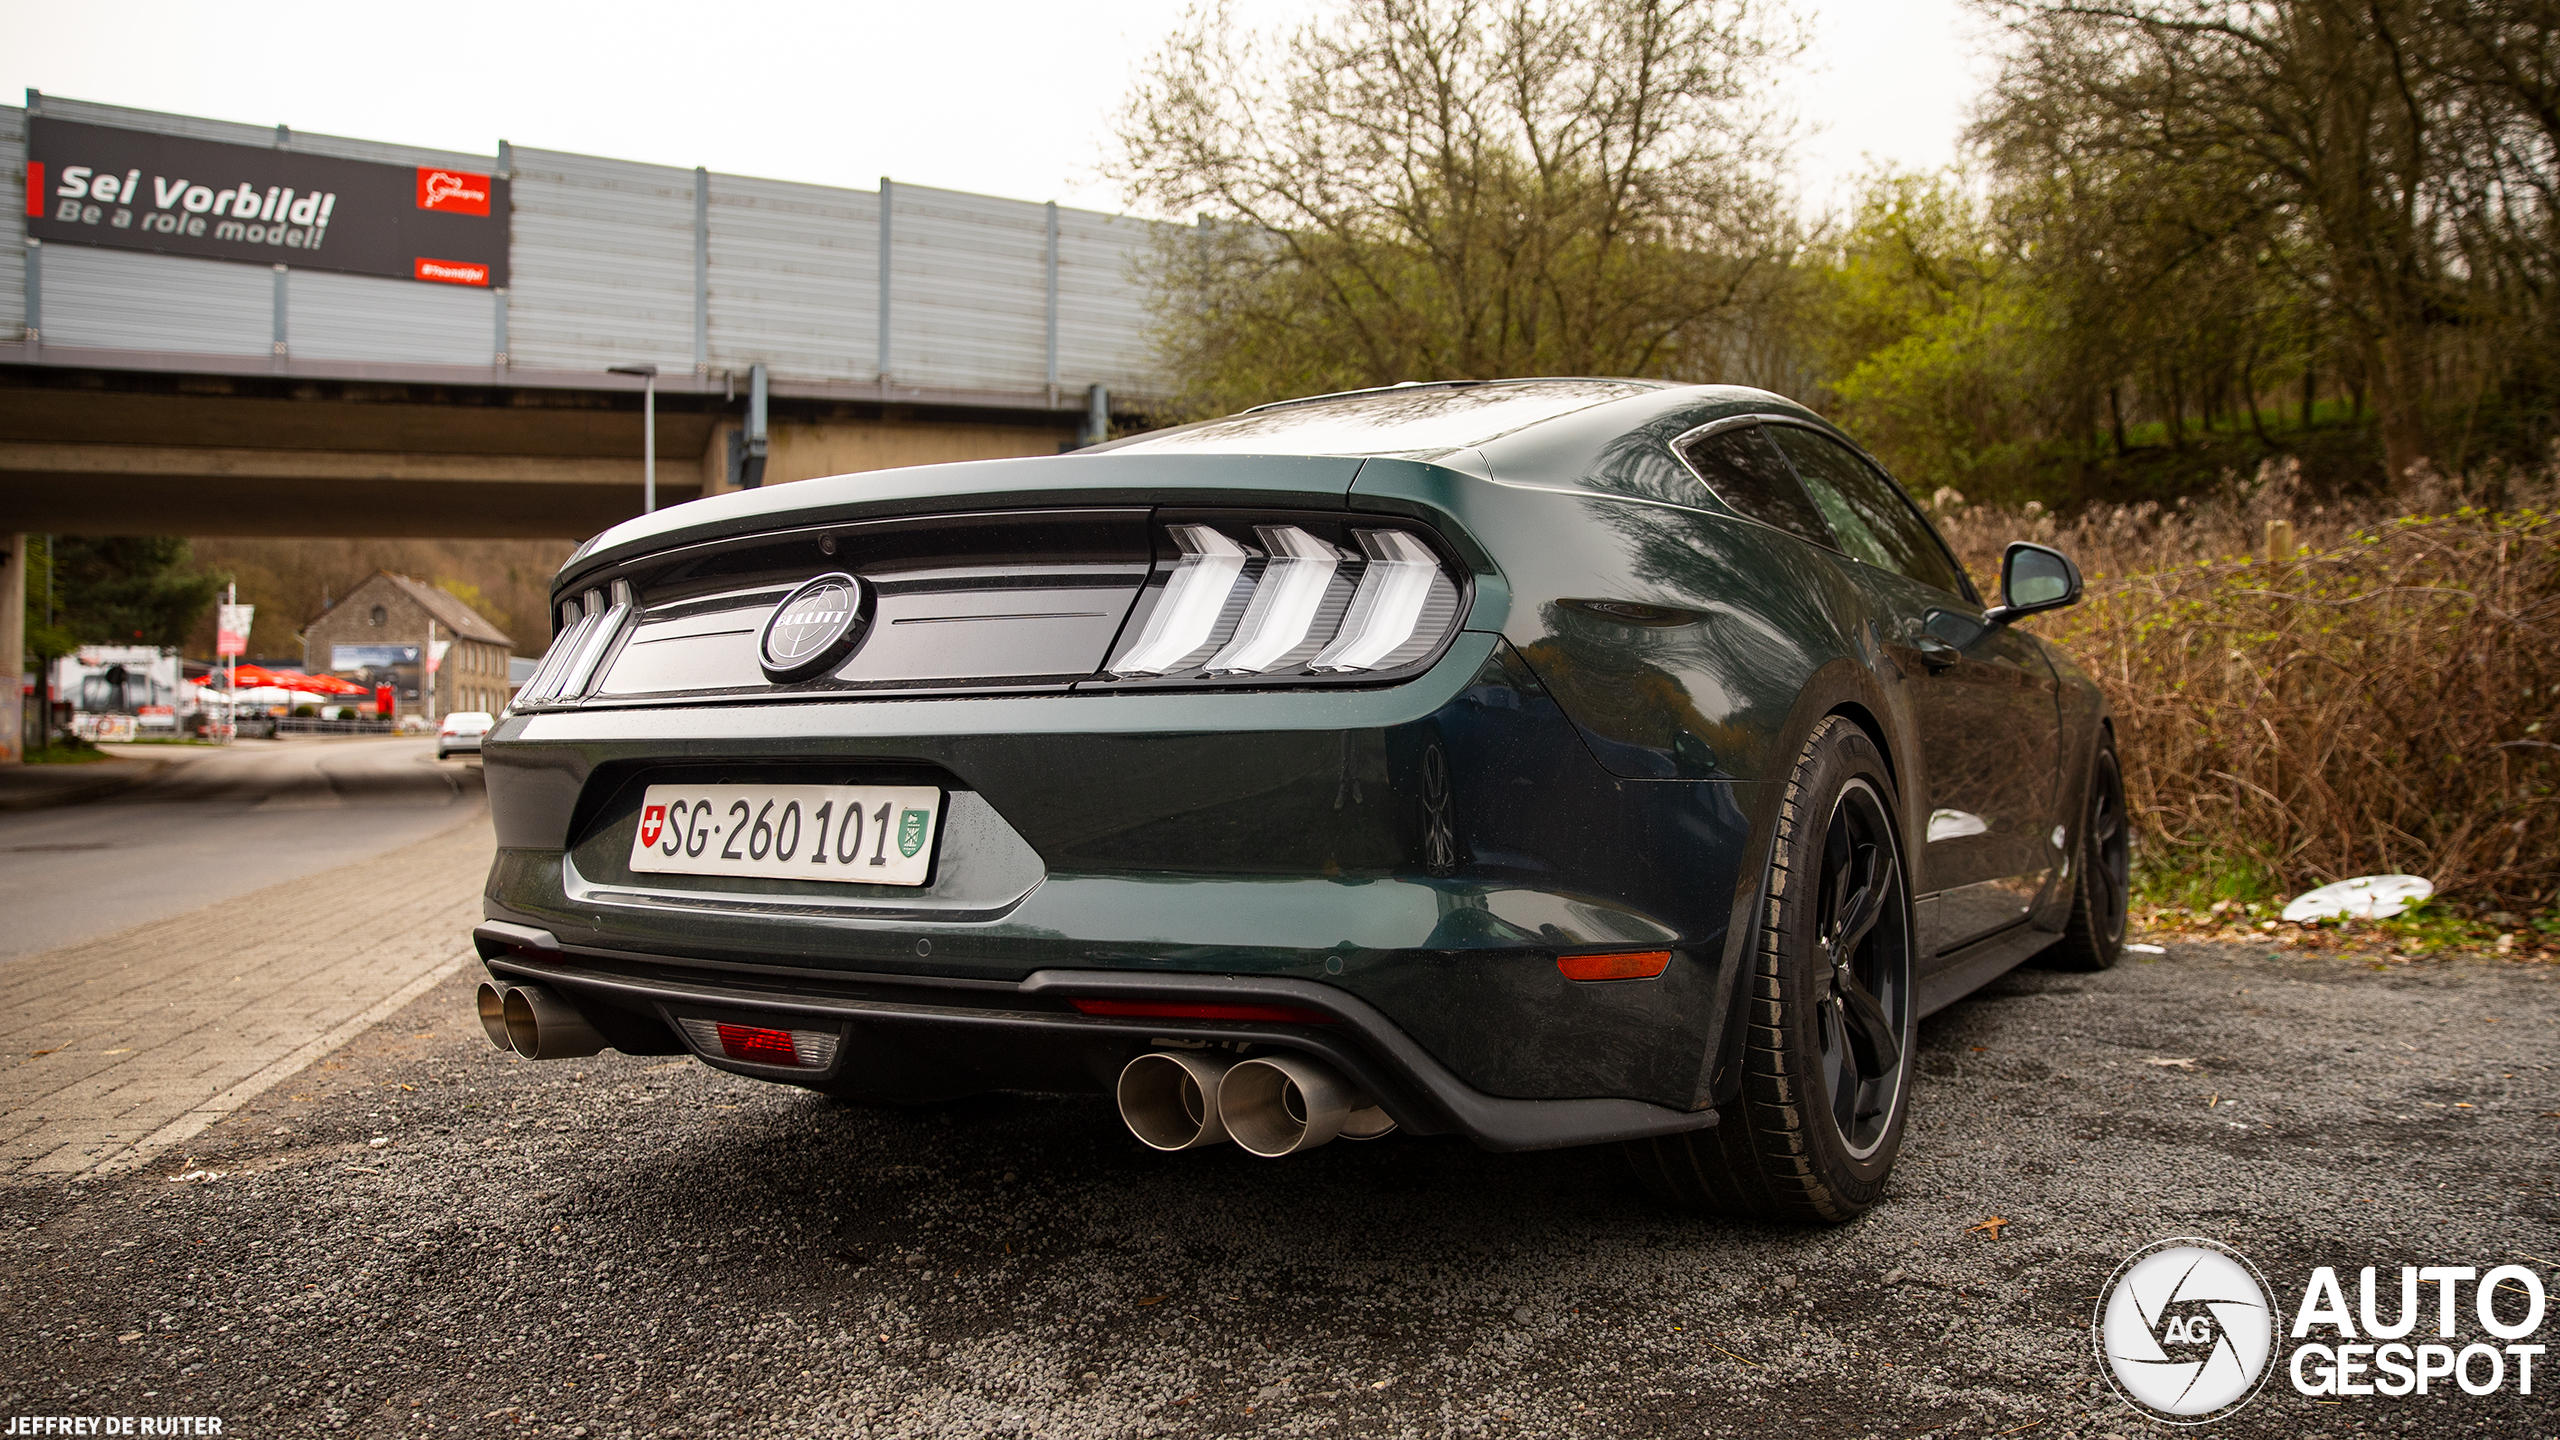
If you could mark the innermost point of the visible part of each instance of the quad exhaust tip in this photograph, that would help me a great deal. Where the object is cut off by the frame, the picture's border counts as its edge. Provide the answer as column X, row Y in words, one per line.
column 534, row 1022
column 1170, row 1101
column 492, row 1002
column 1272, row 1105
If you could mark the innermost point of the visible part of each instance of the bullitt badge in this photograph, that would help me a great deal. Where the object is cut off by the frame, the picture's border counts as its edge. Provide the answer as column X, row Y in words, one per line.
column 814, row 628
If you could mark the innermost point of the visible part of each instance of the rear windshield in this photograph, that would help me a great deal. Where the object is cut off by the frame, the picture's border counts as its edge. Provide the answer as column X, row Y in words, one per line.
column 1386, row 422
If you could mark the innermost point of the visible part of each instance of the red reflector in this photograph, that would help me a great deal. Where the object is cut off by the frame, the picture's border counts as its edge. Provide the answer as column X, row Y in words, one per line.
column 1629, row 965
column 758, row 1046
column 1184, row 1010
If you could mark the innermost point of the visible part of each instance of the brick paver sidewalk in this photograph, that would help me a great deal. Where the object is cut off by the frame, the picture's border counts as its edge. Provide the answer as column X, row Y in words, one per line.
column 115, row 1049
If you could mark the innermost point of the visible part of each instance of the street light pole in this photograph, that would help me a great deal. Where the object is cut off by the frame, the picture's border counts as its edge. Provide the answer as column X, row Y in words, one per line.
column 648, row 432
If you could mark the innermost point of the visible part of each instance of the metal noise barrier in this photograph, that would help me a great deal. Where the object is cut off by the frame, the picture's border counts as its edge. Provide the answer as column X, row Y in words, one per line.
column 542, row 1026
column 1170, row 1101
column 1282, row 1104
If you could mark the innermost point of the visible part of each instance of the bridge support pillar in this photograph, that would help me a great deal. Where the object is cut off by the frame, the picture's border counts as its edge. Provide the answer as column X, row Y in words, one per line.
column 13, row 641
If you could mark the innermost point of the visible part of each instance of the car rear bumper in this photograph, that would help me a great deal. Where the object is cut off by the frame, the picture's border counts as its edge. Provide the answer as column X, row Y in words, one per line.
column 921, row 1037
column 458, row 744
column 1416, row 857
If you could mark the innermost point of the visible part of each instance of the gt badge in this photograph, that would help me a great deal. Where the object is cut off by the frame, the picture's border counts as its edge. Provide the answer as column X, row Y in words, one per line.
column 814, row 628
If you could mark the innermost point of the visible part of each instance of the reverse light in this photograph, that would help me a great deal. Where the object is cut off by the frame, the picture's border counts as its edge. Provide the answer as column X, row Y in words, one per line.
column 759, row 1045
column 1194, row 600
column 1394, row 587
column 1191, row 1010
column 1284, row 604
column 1625, row 965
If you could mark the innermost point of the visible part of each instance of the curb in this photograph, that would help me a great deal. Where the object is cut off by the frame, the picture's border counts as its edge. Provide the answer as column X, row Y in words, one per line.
column 121, row 780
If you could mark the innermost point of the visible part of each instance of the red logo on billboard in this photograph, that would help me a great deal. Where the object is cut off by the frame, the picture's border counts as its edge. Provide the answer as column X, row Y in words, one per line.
column 653, row 823
column 452, row 192
column 35, row 187
column 452, row 272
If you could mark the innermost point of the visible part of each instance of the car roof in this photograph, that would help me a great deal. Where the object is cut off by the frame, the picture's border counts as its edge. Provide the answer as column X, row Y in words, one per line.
column 1407, row 419
column 1313, row 447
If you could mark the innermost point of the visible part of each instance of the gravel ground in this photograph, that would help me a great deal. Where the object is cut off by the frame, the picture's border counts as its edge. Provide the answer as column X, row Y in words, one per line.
column 422, row 1235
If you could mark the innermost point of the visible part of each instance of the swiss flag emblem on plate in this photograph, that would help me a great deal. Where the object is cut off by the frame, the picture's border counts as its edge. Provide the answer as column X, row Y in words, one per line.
column 653, row 823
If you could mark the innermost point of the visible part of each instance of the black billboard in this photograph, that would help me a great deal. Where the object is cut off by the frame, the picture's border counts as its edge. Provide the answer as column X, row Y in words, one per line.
column 134, row 190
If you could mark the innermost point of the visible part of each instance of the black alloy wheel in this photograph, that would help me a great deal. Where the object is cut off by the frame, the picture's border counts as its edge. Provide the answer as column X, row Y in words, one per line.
column 1866, row 938
column 1828, row 1044
column 2102, row 887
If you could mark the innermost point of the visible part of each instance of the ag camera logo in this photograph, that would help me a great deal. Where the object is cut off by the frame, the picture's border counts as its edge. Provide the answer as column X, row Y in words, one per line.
column 2185, row 1330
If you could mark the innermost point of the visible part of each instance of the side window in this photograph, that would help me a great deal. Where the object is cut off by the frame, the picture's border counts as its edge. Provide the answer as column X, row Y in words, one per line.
column 1746, row 471
column 1875, row 523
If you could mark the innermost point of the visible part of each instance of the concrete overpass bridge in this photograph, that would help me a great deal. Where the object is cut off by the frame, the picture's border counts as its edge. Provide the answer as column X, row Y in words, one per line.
column 363, row 339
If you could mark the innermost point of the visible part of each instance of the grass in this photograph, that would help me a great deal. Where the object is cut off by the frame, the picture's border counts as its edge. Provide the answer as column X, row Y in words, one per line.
column 2427, row 931
column 68, row 750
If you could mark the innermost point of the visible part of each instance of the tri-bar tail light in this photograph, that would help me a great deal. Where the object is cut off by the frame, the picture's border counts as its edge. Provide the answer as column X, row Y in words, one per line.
column 589, row 624
column 760, row 1045
column 1309, row 600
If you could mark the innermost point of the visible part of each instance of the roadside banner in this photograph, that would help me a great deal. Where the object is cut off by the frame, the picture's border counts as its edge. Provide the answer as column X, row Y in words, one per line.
column 264, row 204
column 362, row 657
column 231, row 629
column 108, row 729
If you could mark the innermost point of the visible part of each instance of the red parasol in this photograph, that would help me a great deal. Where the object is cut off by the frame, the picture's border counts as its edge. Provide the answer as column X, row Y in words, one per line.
column 250, row 677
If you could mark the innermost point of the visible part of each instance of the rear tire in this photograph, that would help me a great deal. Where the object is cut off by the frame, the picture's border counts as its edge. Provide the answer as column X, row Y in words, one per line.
column 1823, row 1107
column 2102, row 879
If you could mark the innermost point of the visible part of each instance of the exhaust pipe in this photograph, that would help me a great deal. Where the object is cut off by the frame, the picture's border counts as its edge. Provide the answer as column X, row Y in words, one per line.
column 542, row 1026
column 1170, row 1100
column 1281, row 1104
column 492, row 1000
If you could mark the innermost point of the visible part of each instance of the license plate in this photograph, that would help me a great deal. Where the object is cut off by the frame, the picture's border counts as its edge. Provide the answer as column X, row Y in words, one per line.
column 863, row 834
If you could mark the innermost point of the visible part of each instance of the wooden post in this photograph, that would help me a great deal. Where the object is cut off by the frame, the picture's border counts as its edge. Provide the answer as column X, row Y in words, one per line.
column 2280, row 544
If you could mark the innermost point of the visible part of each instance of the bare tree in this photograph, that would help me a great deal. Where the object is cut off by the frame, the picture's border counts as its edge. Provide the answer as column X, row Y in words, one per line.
column 2394, row 156
column 1418, row 189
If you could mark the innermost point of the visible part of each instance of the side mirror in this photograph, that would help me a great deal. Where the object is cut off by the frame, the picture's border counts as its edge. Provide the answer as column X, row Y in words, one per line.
column 2034, row 578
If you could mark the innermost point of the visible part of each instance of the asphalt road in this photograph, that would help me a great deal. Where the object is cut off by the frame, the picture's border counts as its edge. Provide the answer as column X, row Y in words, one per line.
column 423, row 1236
column 217, row 822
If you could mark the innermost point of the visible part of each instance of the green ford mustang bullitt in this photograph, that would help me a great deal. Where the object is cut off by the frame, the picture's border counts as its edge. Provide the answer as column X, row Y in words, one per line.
column 1549, row 762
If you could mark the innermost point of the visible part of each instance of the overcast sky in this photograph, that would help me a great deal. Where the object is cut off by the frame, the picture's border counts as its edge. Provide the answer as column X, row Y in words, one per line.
column 995, row 96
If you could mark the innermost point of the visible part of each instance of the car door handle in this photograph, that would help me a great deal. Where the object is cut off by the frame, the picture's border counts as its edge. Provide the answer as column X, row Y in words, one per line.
column 1935, row 653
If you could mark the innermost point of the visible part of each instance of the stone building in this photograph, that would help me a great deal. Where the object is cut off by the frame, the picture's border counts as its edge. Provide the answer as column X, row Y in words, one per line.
column 379, row 632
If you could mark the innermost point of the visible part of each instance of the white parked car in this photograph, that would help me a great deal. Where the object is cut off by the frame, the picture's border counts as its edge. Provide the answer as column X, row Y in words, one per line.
column 461, row 731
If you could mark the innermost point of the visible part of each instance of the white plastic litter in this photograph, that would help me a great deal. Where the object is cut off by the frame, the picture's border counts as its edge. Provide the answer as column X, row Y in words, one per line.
column 1957, row 824
column 2366, row 897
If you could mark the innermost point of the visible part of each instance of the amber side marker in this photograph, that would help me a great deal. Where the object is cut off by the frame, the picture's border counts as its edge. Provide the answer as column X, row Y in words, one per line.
column 1182, row 1010
column 1625, row 965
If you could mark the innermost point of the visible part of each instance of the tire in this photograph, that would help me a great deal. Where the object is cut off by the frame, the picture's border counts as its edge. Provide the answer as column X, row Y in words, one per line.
column 1823, row 1104
column 2102, row 874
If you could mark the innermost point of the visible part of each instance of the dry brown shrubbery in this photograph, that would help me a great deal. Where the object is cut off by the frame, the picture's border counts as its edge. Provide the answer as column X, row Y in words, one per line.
column 2380, row 702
